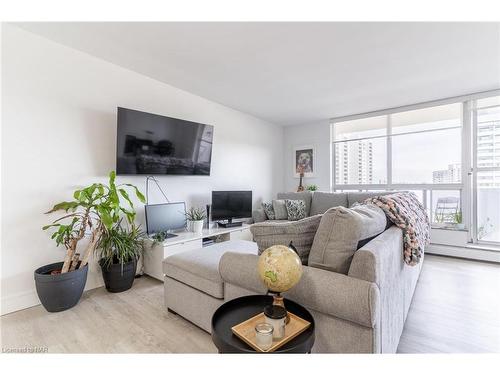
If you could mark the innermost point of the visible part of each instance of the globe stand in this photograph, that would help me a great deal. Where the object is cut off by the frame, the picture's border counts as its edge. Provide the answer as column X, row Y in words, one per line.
column 278, row 301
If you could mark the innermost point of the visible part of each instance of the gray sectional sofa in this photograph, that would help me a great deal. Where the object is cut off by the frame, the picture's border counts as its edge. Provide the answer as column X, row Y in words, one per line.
column 360, row 311
column 318, row 202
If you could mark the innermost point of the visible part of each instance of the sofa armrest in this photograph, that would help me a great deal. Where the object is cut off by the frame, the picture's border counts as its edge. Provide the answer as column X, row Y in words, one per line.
column 259, row 215
column 380, row 259
column 327, row 292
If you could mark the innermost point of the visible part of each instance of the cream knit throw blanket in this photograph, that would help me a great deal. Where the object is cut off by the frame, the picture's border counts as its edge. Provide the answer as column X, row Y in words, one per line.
column 406, row 212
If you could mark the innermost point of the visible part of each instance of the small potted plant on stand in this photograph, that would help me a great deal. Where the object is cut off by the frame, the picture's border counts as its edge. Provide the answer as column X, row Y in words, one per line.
column 195, row 217
column 119, row 250
column 312, row 187
column 94, row 210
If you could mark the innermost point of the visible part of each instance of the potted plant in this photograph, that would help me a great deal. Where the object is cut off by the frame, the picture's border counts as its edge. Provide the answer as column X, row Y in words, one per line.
column 94, row 210
column 195, row 217
column 119, row 250
column 312, row 187
column 458, row 220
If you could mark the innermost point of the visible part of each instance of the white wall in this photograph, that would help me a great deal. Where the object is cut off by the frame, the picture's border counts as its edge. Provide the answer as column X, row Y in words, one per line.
column 59, row 133
column 318, row 136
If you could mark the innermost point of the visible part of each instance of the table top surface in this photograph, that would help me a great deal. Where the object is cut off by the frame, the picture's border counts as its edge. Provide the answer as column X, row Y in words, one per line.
column 240, row 309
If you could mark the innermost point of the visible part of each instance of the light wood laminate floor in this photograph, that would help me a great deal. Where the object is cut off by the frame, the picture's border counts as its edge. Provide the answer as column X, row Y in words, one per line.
column 456, row 309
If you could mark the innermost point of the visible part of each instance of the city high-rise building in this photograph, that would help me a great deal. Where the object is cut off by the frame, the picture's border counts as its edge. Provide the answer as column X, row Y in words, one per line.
column 448, row 176
column 488, row 153
column 354, row 162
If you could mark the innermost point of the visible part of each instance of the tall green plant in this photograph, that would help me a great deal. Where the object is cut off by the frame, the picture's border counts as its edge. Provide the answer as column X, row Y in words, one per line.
column 120, row 244
column 97, row 208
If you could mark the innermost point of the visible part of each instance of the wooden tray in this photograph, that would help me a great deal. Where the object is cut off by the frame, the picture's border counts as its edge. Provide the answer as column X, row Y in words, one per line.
column 246, row 331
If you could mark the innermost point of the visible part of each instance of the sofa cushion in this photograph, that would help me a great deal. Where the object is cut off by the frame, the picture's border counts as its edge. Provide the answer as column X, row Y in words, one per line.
column 322, row 201
column 269, row 210
column 340, row 231
column 200, row 268
column 306, row 196
column 361, row 196
column 279, row 208
column 295, row 209
column 300, row 232
column 259, row 215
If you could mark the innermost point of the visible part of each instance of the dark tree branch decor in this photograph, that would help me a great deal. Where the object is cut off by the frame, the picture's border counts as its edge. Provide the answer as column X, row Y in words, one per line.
column 94, row 211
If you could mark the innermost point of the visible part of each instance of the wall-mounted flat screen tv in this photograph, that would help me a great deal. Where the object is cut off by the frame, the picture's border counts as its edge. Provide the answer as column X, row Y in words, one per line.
column 151, row 144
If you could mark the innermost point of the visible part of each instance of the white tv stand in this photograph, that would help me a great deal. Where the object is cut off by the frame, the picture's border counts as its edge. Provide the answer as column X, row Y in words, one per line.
column 185, row 241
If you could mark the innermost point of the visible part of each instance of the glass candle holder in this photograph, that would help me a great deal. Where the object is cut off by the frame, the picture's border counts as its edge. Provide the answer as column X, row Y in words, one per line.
column 276, row 316
column 264, row 335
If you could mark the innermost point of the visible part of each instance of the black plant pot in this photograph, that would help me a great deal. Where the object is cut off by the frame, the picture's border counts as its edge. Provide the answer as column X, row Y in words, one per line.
column 117, row 278
column 61, row 291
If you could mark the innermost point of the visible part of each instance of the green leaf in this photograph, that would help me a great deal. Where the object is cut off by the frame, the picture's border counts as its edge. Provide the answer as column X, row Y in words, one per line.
column 50, row 226
column 139, row 195
column 100, row 188
column 125, row 195
column 112, row 177
column 66, row 206
column 106, row 218
column 129, row 214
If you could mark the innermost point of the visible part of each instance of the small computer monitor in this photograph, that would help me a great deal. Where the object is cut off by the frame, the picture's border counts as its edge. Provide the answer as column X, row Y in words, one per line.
column 165, row 217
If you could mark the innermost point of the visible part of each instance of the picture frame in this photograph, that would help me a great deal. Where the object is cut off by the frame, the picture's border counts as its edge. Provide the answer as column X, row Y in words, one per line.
column 305, row 156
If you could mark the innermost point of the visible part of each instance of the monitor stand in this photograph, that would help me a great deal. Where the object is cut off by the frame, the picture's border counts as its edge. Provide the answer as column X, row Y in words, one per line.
column 229, row 224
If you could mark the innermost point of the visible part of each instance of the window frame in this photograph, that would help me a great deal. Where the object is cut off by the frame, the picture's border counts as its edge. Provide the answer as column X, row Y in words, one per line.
column 474, row 171
column 468, row 192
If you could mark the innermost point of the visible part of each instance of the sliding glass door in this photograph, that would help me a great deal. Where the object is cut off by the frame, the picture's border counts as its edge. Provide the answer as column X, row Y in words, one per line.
column 486, row 170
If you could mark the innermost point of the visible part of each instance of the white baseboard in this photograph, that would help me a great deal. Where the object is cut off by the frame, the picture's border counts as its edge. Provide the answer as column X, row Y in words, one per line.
column 19, row 301
column 464, row 252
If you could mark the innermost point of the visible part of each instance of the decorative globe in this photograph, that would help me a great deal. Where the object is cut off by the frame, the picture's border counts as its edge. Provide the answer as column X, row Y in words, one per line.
column 279, row 268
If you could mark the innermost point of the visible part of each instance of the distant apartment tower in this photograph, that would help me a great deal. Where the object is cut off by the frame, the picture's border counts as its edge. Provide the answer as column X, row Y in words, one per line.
column 448, row 176
column 488, row 153
column 354, row 162
column 488, row 156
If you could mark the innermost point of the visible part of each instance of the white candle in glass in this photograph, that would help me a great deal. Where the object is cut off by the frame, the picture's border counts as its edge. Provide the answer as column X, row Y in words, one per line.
column 264, row 335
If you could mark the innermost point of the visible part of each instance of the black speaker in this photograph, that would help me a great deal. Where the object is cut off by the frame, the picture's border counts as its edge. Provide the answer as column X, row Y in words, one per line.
column 208, row 217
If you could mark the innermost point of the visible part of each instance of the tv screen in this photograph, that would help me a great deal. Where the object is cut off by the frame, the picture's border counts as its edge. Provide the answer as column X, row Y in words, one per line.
column 158, row 145
column 231, row 204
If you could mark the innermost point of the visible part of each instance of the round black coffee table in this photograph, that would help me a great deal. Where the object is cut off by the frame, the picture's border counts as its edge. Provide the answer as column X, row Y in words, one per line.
column 240, row 309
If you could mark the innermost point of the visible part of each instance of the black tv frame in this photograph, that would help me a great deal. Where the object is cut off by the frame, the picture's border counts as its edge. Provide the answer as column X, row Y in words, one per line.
column 162, row 174
column 230, row 222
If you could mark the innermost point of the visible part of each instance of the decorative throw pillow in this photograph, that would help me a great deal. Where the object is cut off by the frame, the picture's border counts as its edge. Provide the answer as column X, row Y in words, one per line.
column 339, row 233
column 269, row 210
column 300, row 233
column 295, row 209
column 280, row 209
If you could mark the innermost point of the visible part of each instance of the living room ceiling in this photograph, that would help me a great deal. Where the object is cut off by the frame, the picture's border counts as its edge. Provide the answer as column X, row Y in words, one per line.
column 298, row 73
